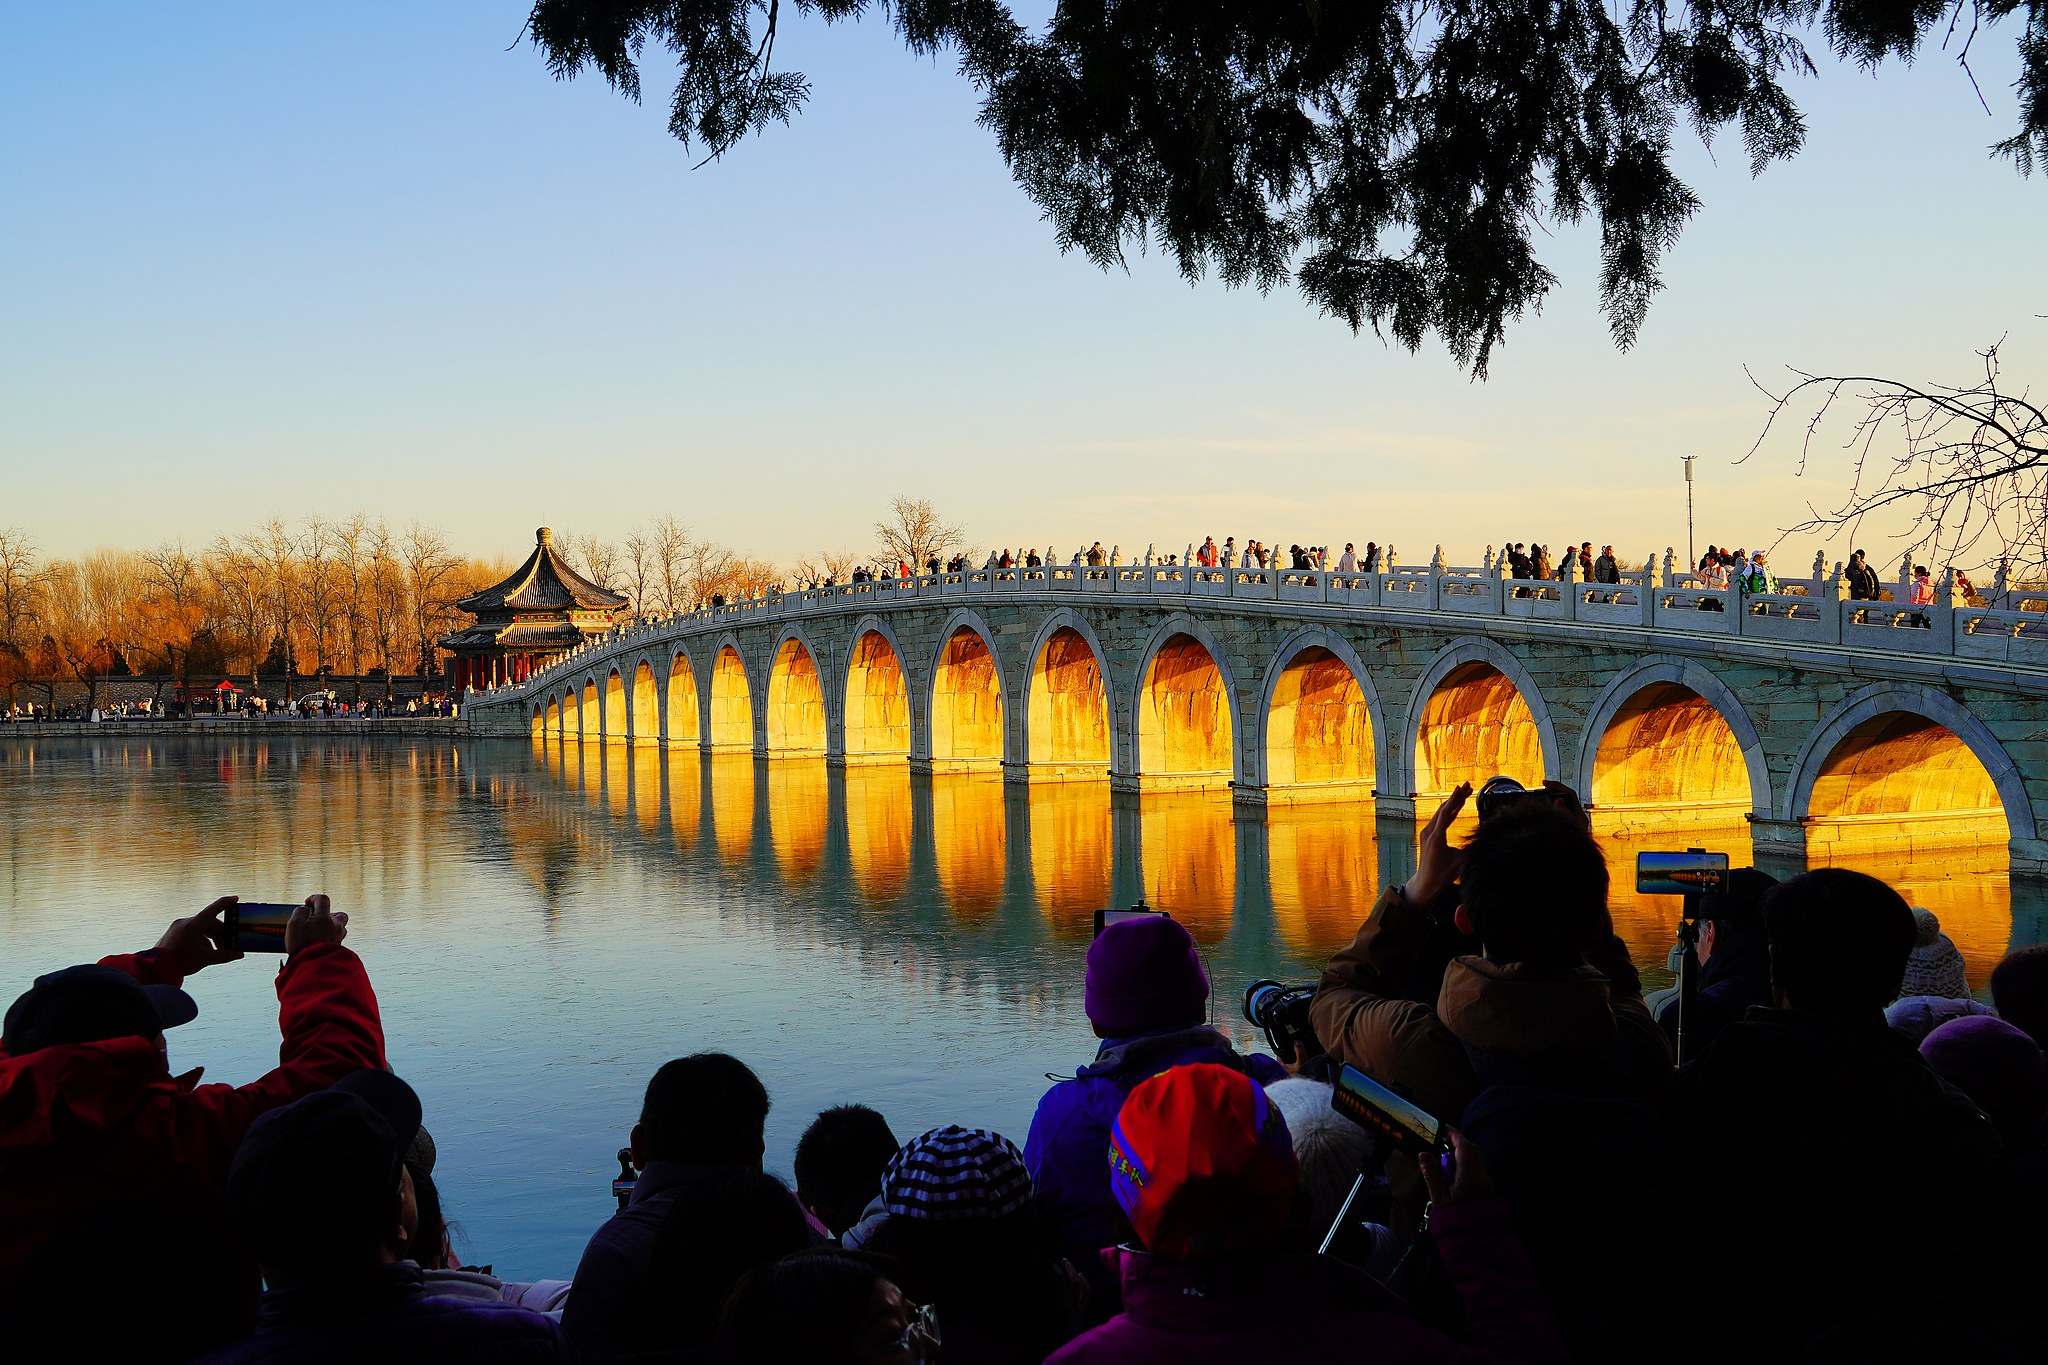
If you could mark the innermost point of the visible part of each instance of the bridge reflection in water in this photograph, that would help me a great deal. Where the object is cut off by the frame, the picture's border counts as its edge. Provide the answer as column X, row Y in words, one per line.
column 1291, row 885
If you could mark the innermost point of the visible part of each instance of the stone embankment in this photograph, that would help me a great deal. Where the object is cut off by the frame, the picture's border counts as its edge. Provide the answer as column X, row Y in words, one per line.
column 411, row 727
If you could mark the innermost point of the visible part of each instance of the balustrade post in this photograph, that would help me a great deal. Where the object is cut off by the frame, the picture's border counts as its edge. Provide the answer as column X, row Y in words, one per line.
column 1646, row 591
column 1570, row 588
column 1834, row 609
column 1943, row 617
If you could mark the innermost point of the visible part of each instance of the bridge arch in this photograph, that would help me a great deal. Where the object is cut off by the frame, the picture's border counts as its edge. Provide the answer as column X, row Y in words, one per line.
column 968, row 692
column 680, row 703
column 540, row 721
column 1184, row 709
column 1476, row 712
column 589, row 716
column 731, row 719
column 645, row 715
column 875, row 720
column 1321, row 725
column 794, row 720
column 1661, row 714
column 1904, row 750
column 1070, row 706
column 614, row 709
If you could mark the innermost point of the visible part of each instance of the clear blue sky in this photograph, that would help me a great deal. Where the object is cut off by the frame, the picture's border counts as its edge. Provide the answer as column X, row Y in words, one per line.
column 285, row 259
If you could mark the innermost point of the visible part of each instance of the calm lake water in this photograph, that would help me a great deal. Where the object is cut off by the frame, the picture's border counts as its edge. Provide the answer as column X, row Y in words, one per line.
column 544, row 928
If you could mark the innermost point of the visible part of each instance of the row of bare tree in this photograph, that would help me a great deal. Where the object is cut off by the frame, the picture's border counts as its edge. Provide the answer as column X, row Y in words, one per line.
column 289, row 599
column 350, row 597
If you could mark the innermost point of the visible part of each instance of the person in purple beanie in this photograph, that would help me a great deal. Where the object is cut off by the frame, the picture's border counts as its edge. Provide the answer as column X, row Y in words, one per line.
column 1146, row 999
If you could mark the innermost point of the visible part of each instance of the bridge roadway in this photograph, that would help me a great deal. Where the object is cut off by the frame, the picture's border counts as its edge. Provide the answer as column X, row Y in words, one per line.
column 1814, row 719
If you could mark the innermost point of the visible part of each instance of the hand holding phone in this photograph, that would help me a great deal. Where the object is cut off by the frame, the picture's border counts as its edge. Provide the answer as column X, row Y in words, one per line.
column 275, row 927
column 1457, row 1175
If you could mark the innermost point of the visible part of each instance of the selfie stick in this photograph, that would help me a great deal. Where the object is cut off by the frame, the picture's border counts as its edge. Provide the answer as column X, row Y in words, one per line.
column 1688, row 963
column 1337, row 1223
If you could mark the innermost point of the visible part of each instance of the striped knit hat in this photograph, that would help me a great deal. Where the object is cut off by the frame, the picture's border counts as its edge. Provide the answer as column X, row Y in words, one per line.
column 950, row 1174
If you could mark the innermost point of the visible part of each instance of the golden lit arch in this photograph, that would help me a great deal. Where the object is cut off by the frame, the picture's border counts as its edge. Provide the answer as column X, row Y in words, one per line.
column 1318, row 732
column 682, row 702
column 587, row 716
column 1668, row 755
column 646, row 707
column 1476, row 725
column 1184, row 720
column 1067, row 715
column 732, row 703
column 1899, row 779
column 796, row 702
column 967, row 704
column 877, row 702
column 614, row 712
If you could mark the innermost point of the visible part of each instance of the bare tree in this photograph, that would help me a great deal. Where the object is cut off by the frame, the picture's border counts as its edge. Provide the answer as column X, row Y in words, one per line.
column 276, row 549
column 239, row 582
column 833, row 565
column 1967, row 465
column 916, row 533
column 22, row 579
column 640, row 571
column 177, row 630
column 600, row 559
column 428, row 568
column 353, row 541
column 674, row 550
column 387, row 602
column 324, row 590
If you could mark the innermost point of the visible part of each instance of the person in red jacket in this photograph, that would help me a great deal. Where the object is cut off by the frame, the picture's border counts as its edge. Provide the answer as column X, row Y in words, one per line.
column 91, row 1117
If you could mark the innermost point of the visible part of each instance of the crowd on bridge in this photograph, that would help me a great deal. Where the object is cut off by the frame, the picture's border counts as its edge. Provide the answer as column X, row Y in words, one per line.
column 1837, row 1156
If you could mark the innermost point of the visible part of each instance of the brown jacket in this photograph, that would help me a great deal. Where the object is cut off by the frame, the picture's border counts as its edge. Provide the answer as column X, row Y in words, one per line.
column 1563, row 1016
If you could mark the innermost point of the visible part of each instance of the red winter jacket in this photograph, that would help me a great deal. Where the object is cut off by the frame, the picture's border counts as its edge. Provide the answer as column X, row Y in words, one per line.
column 92, row 1125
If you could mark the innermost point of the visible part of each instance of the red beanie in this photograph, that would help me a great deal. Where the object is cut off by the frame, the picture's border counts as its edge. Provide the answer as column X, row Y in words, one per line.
column 1202, row 1162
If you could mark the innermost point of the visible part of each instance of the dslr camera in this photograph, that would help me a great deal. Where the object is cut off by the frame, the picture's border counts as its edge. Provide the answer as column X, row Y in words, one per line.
column 1282, row 1011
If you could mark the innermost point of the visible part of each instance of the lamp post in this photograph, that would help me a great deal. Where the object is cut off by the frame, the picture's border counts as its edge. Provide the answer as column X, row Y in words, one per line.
column 1691, row 557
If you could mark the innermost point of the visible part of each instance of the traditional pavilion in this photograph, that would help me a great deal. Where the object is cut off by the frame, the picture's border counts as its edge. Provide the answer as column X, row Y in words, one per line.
column 540, row 611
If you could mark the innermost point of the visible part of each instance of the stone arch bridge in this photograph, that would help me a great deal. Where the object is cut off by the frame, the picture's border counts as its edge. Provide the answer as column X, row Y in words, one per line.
column 1814, row 719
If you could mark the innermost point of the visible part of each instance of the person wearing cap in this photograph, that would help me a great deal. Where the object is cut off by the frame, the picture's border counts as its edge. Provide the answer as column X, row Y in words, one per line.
column 961, row 1223
column 90, row 1114
column 1204, row 1168
column 322, row 1193
column 1145, row 997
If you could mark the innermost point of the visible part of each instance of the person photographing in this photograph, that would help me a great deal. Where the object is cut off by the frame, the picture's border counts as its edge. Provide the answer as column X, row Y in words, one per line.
column 91, row 1115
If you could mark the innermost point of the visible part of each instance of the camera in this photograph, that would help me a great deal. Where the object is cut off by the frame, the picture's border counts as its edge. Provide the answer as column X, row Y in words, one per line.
column 1282, row 1011
column 1504, row 793
column 627, row 1178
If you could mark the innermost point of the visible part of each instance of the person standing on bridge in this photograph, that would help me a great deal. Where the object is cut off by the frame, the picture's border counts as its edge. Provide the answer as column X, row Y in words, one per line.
column 1347, row 562
column 1207, row 556
column 1095, row 555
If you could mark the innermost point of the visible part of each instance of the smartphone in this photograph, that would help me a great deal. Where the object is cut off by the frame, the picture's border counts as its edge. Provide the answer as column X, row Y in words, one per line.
column 1681, row 874
column 256, row 927
column 1401, row 1123
column 1105, row 918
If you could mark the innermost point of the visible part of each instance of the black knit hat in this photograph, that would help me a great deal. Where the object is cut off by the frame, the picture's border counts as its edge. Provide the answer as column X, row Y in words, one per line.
column 951, row 1174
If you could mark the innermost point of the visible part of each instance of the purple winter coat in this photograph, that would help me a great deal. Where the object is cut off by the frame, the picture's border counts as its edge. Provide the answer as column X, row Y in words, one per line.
column 1228, row 1310
column 1067, row 1151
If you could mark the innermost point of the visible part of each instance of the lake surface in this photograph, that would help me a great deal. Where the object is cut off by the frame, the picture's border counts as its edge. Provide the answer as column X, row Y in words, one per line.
column 545, row 928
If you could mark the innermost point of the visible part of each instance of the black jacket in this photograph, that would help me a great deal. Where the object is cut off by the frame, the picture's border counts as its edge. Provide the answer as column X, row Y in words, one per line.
column 1832, row 1178
column 601, row 1315
column 1732, row 981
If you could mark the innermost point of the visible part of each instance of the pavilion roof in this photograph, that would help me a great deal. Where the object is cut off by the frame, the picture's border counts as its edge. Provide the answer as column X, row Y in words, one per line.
column 545, row 582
